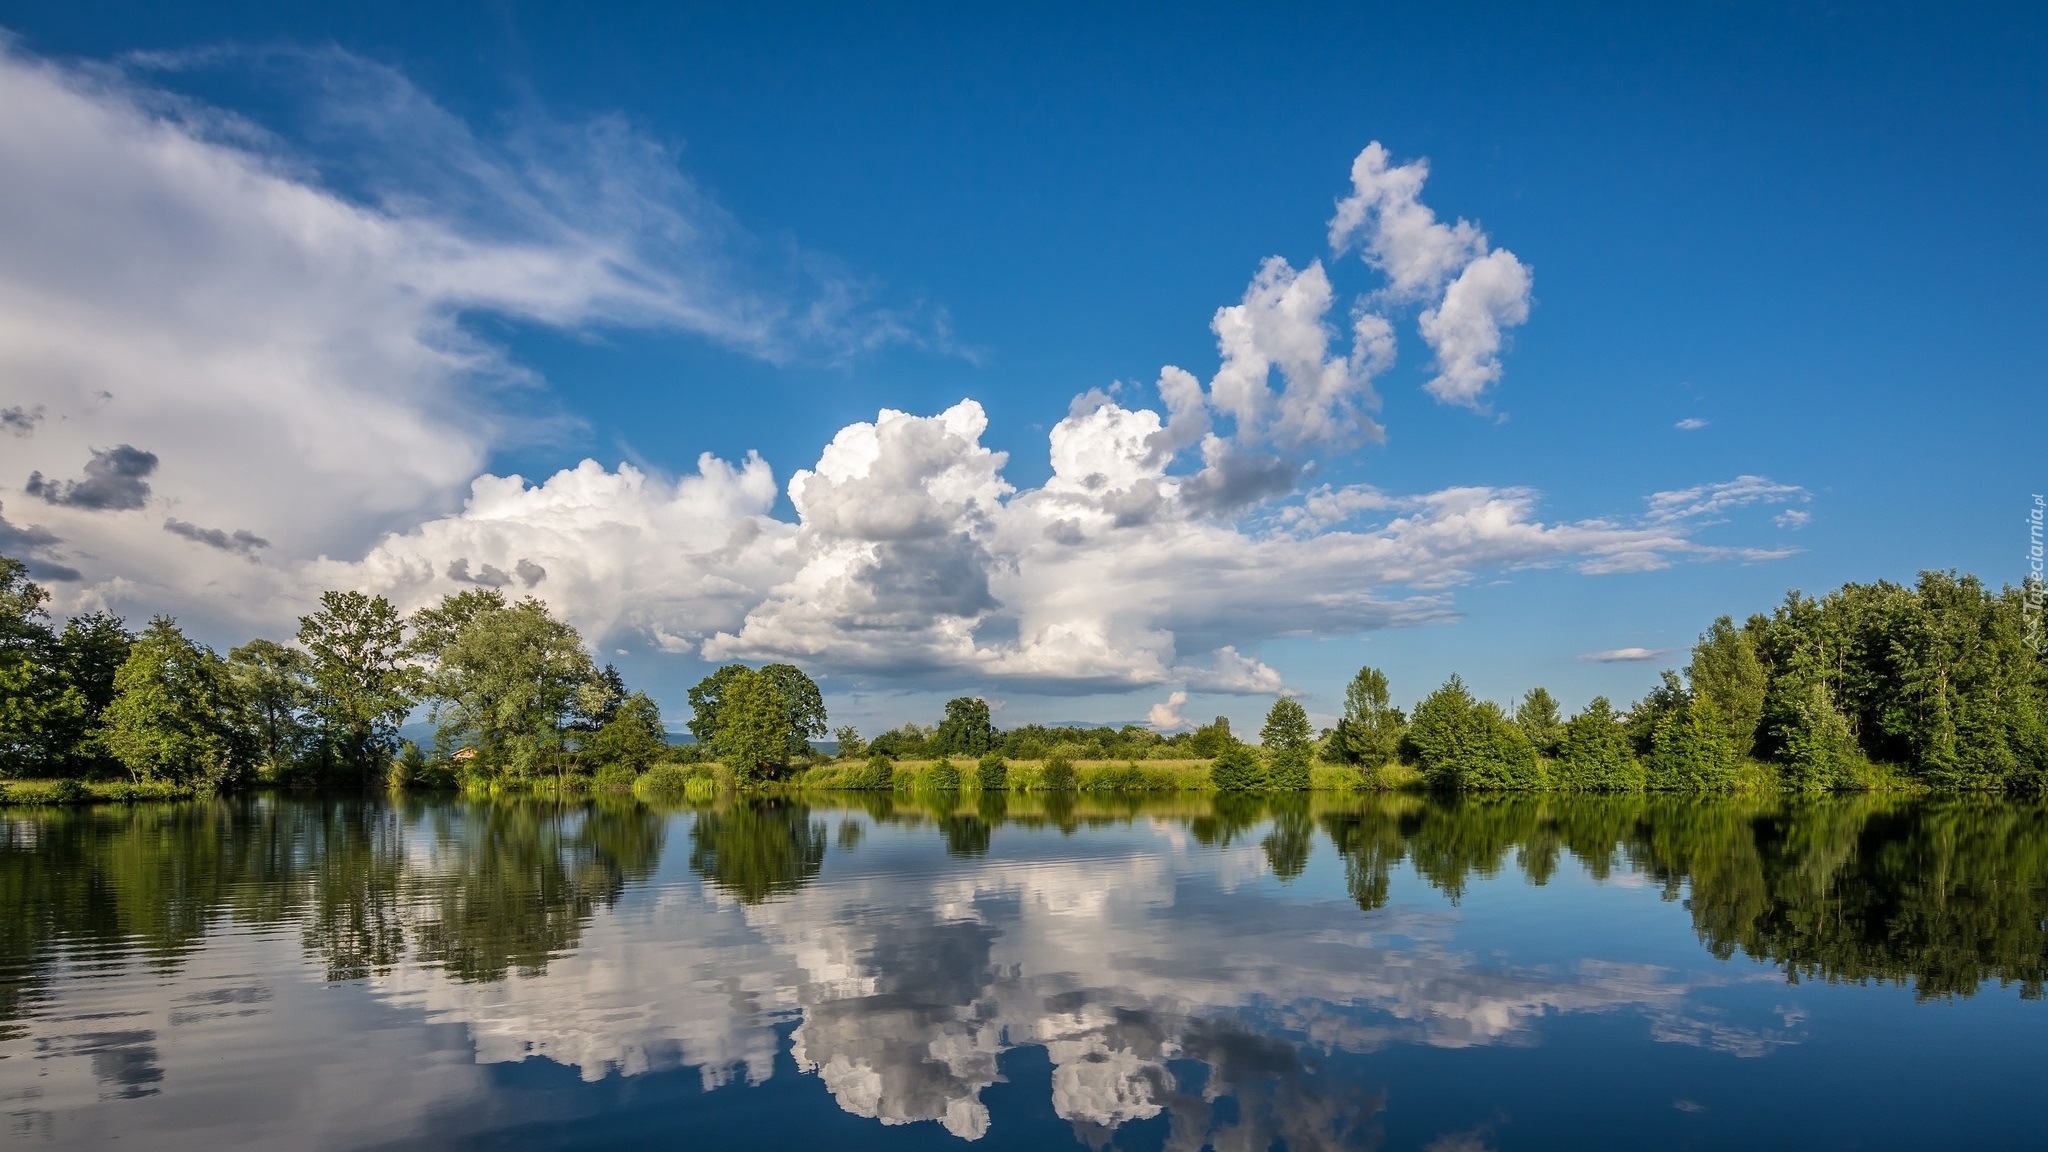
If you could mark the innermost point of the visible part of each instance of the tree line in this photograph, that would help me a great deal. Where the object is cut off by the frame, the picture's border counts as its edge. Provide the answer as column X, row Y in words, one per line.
column 512, row 691
column 1942, row 684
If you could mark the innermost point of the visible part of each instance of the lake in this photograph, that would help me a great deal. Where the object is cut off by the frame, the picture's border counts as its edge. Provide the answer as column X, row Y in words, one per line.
column 1358, row 972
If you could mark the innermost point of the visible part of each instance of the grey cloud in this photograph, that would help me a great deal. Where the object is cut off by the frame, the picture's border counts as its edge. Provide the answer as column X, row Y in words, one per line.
column 29, row 544
column 115, row 481
column 21, row 421
column 1235, row 480
column 525, row 572
column 241, row 542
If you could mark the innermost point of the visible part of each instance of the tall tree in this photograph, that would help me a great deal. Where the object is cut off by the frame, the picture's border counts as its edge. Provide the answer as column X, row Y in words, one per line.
column 1289, row 740
column 753, row 732
column 510, row 682
column 1537, row 716
column 86, row 655
column 967, row 729
column 175, row 712
column 362, row 685
column 803, row 705
column 632, row 740
column 1727, row 670
column 40, row 711
column 274, row 683
column 1369, row 734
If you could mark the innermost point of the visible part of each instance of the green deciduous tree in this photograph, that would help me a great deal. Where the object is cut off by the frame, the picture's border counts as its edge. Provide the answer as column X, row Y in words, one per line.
column 510, row 681
column 1727, row 670
column 1690, row 750
column 1595, row 754
column 967, row 729
column 274, row 682
column 362, row 684
column 1467, row 745
column 752, row 734
column 1237, row 769
column 1369, row 733
column 1212, row 738
column 804, row 706
column 175, row 714
column 631, row 741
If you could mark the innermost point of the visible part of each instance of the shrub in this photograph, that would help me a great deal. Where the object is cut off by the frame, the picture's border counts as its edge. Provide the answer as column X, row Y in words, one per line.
column 1466, row 745
column 1290, row 769
column 668, row 779
column 943, row 776
column 614, row 778
column 1127, row 778
column 1237, row 769
column 993, row 773
column 878, row 776
column 1595, row 755
column 1690, row 750
column 1058, row 775
column 70, row 792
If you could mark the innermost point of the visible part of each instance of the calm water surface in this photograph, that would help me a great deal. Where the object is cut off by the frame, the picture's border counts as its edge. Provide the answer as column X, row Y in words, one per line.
column 1374, row 973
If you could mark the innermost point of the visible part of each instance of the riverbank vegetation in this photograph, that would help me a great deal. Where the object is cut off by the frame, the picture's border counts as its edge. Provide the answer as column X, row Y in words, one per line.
column 1942, row 686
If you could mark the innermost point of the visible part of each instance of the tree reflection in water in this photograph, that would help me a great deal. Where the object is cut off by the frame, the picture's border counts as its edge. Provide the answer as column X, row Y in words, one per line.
column 925, row 992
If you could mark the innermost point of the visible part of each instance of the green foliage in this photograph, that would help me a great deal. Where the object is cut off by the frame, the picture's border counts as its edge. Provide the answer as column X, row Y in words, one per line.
column 752, row 733
column 851, row 746
column 907, row 742
column 878, row 775
column 1289, row 770
column 943, row 776
column 361, row 686
column 175, row 711
column 1210, row 740
column 39, row 707
column 1690, row 750
column 671, row 780
column 1538, row 718
column 967, row 729
column 1727, row 670
column 1595, row 754
column 1058, row 775
column 507, row 680
column 275, row 686
column 1466, row 745
column 993, row 773
column 803, row 706
column 1286, row 728
column 629, row 743
column 1369, row 733
column 1237, row 769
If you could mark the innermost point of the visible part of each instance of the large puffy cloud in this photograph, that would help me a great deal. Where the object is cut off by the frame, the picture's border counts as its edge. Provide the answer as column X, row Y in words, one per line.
column 620, row 550
column 197, row 328
column 1476, row 291
column 1114, row 575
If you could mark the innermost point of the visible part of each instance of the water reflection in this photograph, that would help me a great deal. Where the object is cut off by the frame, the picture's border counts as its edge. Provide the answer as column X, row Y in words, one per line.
column 1177, row 965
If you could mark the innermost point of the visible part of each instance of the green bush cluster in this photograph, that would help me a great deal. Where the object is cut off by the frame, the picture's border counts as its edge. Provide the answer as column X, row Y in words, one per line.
column 943, row 776
column 1237, row 769
column 1058, row 775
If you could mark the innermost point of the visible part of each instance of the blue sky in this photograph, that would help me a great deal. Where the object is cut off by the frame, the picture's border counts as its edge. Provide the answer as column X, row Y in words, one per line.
column 1816, row 231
